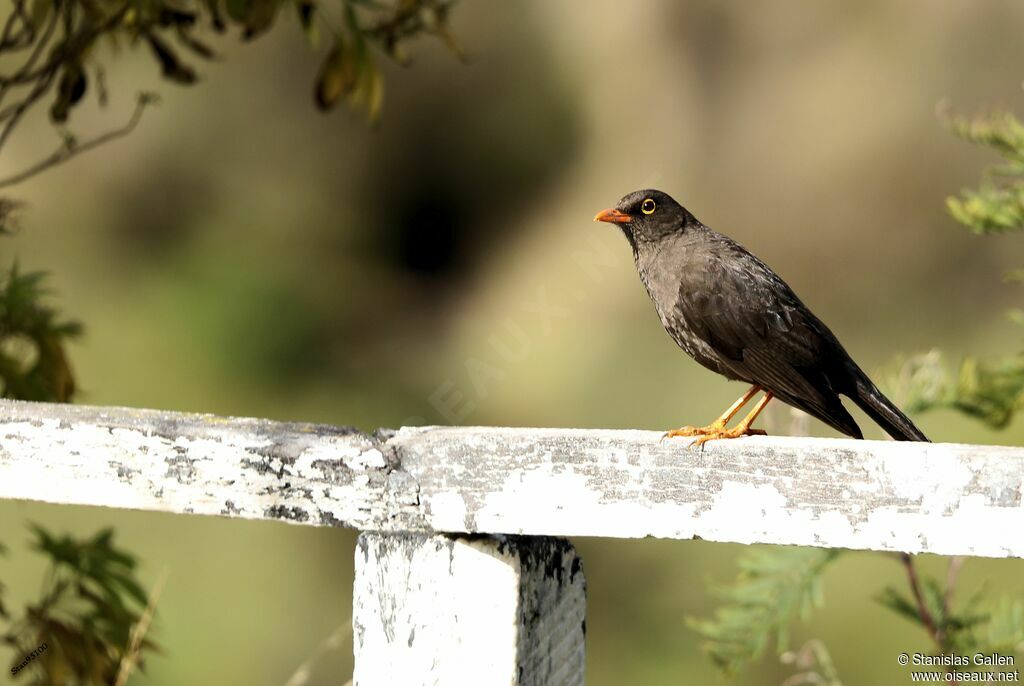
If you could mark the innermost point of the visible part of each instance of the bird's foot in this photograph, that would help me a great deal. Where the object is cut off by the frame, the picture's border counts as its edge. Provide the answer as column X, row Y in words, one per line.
column 712, row 428
column 734, row 432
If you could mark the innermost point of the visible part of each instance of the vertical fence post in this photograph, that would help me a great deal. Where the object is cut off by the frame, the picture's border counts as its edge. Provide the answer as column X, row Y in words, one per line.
column 468, row 610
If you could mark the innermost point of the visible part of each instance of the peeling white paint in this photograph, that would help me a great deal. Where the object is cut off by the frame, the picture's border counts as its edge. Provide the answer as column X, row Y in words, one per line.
column 942, row 498
column 127, row 460
column 914, row 497
column 448, row 511
column 458, row 612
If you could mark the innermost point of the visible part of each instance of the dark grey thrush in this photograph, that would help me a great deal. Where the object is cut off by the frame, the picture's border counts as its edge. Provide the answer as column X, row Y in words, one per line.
column 729, row 311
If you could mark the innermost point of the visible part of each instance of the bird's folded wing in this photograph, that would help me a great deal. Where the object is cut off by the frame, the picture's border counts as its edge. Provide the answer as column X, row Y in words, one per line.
column 762, row 332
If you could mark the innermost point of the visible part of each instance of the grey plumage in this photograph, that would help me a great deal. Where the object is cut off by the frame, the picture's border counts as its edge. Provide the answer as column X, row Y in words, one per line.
column 734, row 315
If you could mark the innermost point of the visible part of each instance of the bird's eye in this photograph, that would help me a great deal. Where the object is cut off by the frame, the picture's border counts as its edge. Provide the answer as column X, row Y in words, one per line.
column 647, row 206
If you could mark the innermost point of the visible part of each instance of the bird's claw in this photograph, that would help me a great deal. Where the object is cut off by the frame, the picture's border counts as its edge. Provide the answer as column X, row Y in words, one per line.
column 735, row 432
column 693, row 431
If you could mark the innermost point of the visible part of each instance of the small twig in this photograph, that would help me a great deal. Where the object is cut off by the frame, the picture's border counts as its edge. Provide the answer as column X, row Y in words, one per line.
column 811, row 655
column 922, row 609
column 16, row 37
column 955, row 563
column 131, row 657
column 333, row 642
column 7, row 39
column 26, row 68
column 66, row 153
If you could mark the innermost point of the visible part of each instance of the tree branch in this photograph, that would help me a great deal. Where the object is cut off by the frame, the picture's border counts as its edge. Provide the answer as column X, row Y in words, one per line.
column 67, row 152
column 18, row 32
column 25, row 74
column 922, row 609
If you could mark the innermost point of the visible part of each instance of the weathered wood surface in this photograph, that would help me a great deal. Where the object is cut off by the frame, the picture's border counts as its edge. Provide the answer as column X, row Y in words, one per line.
column 202, row 464
column 877, row 495
column 465, row 611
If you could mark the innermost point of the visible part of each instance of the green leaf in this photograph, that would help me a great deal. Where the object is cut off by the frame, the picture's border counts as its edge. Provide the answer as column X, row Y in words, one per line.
column 775, row 587
column 216, row 19
column 997, row 205
column 70, row 89
column 237, row 9
column 933, row 600
column 40, row 371
column 999, row 130
column 255, row 16
column 172, row 67
column 195, row 45
column 371, row 88
column 898, row 603
column 89, row 605
column 989, row 390
column 1004, row 631
column 338, row 75
column 168, row 16
column 306, row 9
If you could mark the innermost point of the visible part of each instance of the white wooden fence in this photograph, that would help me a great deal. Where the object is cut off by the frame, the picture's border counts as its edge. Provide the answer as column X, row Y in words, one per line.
column 462, row 574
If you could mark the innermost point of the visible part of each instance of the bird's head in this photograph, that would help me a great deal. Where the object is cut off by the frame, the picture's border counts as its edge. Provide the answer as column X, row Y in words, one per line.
column 647, row 216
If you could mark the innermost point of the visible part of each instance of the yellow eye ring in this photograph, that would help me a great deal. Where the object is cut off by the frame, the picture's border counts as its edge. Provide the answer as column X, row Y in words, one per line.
column 647, row 206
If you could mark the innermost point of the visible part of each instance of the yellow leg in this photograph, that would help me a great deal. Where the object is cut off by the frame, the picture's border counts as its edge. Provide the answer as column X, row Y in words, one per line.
column 741, row 429
column 717, row 425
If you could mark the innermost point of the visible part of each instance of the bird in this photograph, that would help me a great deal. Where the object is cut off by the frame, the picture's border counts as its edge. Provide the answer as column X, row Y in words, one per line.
column 734, row 315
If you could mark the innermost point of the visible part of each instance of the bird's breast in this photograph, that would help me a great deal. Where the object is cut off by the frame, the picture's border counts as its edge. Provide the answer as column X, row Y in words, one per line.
column 662, row 276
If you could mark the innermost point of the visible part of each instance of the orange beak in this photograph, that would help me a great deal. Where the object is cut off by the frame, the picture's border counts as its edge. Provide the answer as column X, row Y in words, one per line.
column 613, row 216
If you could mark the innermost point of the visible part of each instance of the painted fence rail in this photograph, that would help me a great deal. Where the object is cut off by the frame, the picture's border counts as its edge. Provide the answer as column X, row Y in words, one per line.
column 463, row 574
column 873, row 495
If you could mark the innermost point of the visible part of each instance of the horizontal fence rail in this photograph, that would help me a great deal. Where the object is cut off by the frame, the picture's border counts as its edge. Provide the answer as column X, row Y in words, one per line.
column 873, row 495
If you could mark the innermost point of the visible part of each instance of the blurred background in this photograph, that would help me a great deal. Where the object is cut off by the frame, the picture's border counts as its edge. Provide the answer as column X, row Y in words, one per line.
column 242, row 253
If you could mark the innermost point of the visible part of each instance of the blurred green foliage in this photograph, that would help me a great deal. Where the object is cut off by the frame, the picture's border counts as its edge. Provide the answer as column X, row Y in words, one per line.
column 775, row 587
column 778, row 586
column 348, row 70
column 1003, row 633
column 968, row 629
column 91, row 602
column 55, row 43
column 51, row 51
column 89, row 605
column 998, row 202
column 991, row 390
column 33, row 359
column 814, row 665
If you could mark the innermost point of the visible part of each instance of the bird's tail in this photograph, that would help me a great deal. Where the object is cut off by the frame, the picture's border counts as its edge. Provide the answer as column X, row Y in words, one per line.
column 881, row 410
